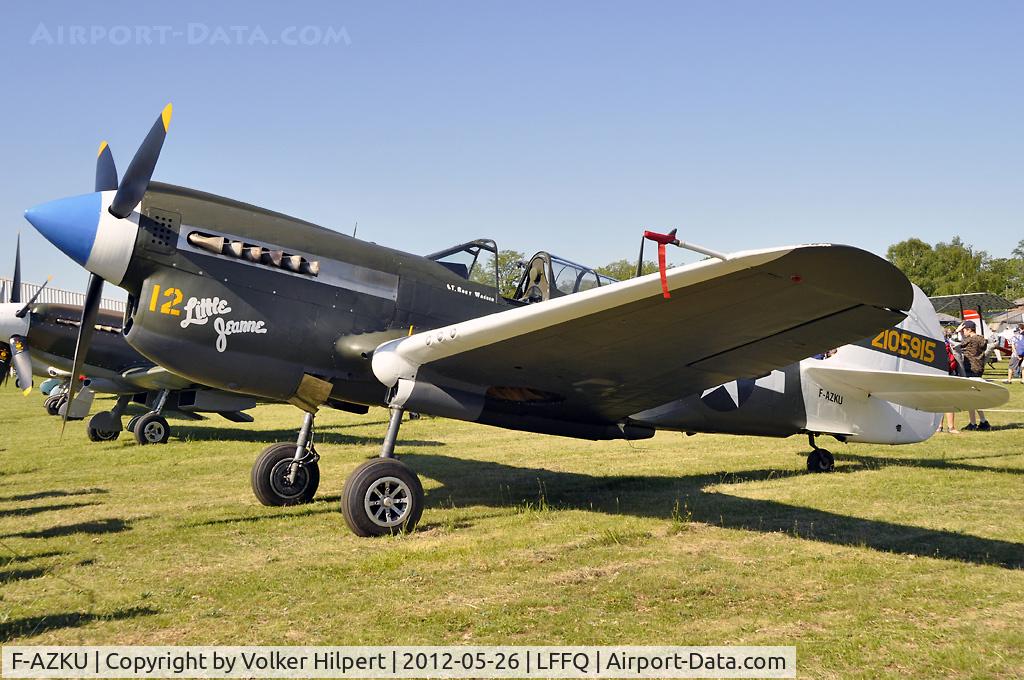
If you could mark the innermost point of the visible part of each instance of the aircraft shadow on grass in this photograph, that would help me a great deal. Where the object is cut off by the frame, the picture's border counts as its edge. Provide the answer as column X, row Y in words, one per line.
column 36, row 625
column 111, row 525
column 467, row 482
column 54, row 493
column 37, row 509
column 22, row 574
column 876, row 462
column 323, row 435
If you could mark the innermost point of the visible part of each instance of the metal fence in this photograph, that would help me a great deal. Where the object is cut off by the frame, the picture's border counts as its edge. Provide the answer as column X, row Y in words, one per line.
column 54, row 295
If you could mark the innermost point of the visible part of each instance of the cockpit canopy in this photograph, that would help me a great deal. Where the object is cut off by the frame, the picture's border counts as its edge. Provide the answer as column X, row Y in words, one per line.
column 464, row 260
column 548, row 276
column 545, row 276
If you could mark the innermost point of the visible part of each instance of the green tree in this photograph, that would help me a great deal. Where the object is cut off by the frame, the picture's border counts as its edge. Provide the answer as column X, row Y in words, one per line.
column 624, row 269
column 916, row 259
column 509, row 271
column 956, row 267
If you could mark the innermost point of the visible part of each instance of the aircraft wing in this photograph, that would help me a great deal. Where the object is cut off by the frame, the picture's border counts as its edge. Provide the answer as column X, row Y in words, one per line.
column 609, row 352
column 925, row 392
column 155, row 378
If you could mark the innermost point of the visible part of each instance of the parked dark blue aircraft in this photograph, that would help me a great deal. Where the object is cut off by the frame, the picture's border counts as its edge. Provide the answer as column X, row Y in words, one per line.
column 244, row 299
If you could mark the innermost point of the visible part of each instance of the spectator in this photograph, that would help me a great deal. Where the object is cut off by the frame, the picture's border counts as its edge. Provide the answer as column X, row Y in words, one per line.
column 973, row 349
column 1016, row 369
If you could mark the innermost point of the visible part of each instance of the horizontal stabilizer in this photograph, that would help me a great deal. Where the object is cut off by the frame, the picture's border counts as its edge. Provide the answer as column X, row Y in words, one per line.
column 924, row 392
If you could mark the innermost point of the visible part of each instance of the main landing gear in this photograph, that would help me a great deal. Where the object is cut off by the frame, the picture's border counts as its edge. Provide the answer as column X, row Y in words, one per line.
column 106, row 426
column 381, row 496
column 53, row 403
column 152, row 427
column 148, row 428
column 819, row 460
column 57, row 397
column 286, row 473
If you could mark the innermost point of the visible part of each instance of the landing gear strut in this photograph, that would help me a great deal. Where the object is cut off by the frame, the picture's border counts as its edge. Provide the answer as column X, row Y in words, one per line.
column 152, row 428
column 383, row 496
column 819, row 460
column 106, row 426
column 287, row 473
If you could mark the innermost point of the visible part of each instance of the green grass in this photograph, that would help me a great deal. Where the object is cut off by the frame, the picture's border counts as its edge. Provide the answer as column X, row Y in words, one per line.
column 906, row 562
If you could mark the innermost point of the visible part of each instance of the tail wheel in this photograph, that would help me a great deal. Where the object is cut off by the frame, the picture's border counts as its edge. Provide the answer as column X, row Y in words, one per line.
column 382, row 496
column 271, row 474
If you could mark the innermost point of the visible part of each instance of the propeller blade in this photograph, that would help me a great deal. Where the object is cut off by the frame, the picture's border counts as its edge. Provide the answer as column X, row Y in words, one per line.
column 24, row 310
column 136, row 178
column 85, row 331
column 22, row 364
column 5, row 362
column 16, row 281
column 106, row 171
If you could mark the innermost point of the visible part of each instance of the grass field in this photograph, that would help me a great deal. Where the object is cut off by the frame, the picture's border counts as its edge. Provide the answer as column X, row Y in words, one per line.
column 906, row 562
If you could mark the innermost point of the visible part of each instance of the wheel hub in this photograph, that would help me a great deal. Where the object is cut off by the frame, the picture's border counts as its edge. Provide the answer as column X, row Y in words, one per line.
column 388, row 502
column 280, row 479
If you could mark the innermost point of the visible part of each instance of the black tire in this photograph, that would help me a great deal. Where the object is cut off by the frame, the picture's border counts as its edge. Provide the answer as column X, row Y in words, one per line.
column 821, row 460
column 102, row 435
column 151, row 428
column 270, row 477
column 52, row 405
column 362, row 499
column 130, row 427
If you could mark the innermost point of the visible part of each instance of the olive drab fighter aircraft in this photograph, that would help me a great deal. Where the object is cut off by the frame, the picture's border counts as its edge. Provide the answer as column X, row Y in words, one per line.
column 244, row 299
column 42, row 337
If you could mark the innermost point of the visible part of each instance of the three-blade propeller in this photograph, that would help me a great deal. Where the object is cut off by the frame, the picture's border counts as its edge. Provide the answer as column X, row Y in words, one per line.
column 130, row 192
column 136, row 178
column 5, row 349
column 16, row 352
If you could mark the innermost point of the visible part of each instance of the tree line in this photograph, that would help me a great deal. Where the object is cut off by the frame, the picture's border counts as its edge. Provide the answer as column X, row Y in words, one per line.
column 956, row 267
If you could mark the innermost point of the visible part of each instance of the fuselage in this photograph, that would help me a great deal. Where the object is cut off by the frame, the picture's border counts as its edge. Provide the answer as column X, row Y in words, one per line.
column 188, row 305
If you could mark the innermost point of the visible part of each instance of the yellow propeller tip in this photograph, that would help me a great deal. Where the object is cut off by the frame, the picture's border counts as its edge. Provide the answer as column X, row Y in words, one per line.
column 165, row 116
column 103, row 145
column 26, row 391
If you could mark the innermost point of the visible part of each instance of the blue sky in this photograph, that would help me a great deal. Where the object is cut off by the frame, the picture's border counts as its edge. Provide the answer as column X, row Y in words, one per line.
column 565, row 126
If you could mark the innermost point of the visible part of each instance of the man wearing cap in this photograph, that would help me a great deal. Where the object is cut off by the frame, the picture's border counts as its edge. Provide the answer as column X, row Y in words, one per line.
column 973, row 348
